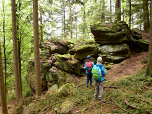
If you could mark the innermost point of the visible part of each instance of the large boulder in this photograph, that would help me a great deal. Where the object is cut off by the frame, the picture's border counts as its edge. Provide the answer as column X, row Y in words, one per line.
column 48, row 48
column 68, row 63
column 110, row 33
column 30, row 77
column 82, row 51
column 114, row 53
column 59, row 77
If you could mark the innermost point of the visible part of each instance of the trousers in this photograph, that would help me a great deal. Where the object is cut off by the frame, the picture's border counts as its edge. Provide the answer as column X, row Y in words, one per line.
column 98, row 88
column 89, row 78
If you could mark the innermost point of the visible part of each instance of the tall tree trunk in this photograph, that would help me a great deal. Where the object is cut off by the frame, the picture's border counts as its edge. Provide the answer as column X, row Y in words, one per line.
column 149, row 68
column 103, row 11
column 84, row 20
column 41, row 27
column 146, row 15
column 118, row 10
column 76, row 27
column 19, row 43
column 15, row 53
column 36, row 49
column 123, row 14
column 64, row 20
column 70, row 20
column 2, row 87
column 5, row 65
column 110, row 12
column 129, row 13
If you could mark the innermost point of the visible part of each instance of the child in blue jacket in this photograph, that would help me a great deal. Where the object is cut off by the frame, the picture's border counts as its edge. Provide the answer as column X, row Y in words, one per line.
column 99, row 84
column 88, row 66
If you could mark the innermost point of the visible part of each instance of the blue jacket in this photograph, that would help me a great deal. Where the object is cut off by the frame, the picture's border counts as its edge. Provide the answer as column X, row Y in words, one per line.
column 102, row 71
column 85, row 66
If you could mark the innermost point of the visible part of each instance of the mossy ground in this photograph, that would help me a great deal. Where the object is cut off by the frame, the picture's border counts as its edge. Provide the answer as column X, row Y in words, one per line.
column 135, row 89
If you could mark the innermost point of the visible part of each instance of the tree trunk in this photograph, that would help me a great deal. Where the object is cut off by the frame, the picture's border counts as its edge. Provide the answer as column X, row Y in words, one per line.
column 63, row 22
column 36, row 49
column 15, row 53
column 146, row 15
column 129, row 13
column 103, row 11
column 41, row 27
column 19, row 44
column 118, row 10
column 110, row 12
column 149, row 68
column 84, row 20
column 70, row 20
column 5, row 65
column 2, row 87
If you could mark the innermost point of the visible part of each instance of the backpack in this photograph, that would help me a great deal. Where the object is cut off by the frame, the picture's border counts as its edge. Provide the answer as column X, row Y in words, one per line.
column 96, row 73
column 89, row 66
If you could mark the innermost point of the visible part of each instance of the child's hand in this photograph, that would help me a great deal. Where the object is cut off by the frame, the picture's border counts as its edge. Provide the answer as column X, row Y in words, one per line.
column 85, row 67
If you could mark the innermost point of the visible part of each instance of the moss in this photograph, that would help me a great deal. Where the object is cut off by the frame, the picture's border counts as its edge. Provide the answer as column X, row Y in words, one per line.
column 66, row 106
column 144, row 41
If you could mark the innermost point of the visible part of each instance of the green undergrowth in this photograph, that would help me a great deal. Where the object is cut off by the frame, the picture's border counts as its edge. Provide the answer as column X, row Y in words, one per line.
column 131, row 94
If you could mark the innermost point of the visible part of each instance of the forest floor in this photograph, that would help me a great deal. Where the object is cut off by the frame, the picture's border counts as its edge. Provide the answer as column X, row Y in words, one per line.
column 130, row 66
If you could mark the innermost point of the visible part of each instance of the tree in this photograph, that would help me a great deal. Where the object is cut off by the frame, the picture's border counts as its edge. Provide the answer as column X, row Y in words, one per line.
column 70, row 16
column 4, row 45
column 110, row 11
column 146, row 15
column 36, row 49
column 149, row 68
column 129, row 13
column 15, row 52
column 2, row 87
column 118, row 10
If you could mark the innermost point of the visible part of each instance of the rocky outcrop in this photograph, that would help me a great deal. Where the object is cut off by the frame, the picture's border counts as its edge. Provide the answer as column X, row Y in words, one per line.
column 62, row 61
column 110, row 33
column 114, row 53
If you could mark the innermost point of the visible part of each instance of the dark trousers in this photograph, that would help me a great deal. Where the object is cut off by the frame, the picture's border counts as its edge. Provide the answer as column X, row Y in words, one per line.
column 89, row 78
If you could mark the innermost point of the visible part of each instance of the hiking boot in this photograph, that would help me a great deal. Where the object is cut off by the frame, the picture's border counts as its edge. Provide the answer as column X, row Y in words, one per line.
column 87, row 86
column 95, row 98
column 100, row 99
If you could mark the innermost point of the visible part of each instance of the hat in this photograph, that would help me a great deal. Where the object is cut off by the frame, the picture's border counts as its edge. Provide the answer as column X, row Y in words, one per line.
column 99, row 60
column 88, row 57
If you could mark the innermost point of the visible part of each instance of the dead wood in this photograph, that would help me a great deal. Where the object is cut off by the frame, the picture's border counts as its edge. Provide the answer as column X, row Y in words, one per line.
column 141, row 99
column 136, row 107
column 117, row 105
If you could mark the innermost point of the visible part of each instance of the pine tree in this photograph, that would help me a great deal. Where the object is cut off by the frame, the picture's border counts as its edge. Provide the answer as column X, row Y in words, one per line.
column 149, row 68
column 15, row 51
column 36, row 49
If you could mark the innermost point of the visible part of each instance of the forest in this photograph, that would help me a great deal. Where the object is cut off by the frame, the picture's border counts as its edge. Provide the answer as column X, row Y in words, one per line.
column 43, row 49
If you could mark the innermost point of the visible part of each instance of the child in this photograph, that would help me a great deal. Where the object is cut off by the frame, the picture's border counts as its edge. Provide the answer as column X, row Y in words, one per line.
column 100, row 82
column 88, row 66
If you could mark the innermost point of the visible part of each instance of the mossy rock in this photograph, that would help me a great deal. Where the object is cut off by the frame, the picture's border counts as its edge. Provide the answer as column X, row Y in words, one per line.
column 53, row 88
column 59, row 77
column 29, row 108
column 111, row 33
column 51, row 48
column 82, row 51
column 64, row 90
column 122, row 50
column 61, row 42
column 30, row 77
column 68, row 63
column 66, row 106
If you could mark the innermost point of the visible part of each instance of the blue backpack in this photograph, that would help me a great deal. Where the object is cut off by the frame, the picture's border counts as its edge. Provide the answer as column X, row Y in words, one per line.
column 96, row 73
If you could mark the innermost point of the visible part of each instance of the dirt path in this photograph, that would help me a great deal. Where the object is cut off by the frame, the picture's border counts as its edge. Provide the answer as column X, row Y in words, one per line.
column 129, row 66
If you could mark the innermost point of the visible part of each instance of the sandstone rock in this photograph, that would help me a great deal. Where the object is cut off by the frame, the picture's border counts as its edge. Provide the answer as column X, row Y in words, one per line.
column 68, row 63
column 114, row 53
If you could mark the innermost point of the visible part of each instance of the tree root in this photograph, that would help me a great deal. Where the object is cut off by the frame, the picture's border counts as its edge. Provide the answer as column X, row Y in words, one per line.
column 117, row 105
column 136, row 107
